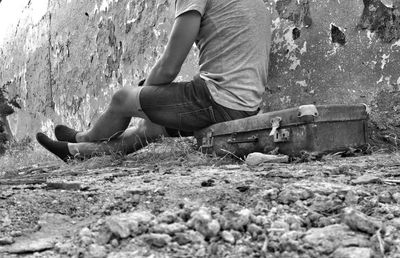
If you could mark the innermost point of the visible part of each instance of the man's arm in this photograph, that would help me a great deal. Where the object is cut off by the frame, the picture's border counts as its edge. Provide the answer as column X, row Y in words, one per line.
column 182, row 37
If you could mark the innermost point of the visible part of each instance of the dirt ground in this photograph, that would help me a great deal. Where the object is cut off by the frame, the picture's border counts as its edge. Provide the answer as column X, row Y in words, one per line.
column 171, row 201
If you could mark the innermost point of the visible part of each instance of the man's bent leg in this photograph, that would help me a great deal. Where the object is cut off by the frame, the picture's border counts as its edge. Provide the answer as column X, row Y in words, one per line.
column 131, row 140
column 124, row 105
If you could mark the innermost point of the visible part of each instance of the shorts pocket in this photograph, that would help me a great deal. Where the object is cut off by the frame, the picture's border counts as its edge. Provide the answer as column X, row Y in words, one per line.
column 197, row 119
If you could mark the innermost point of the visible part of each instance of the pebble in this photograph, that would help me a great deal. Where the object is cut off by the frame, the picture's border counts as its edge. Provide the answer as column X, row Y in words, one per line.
column 395, row 222
column 118, row 227
column 6, row 240
column 167, row 217
column 324, row 204
column 114, row 243
column 97, row 251
column 256, row 158
column 169, row 229
column 291, row 195
column 31, row 246
column 124, row 225
column 351, row 198
column 104, row 236
column 353, row 252
column 64, row 248
column 236, row 234
column 201, row 252
column 182, row 238
column 201, row 216
column 294, row 222
column 385, row 197
column 270, row 194
column 228, row 237
column 359, row 221
column 254, row 230
column 157, row 240
column 280, row 225
column 85, row 232
column 239, row 220
column 86, row 240
column 366, row 179
column 396, row 197
column 329, row 238
column 213, row 228
column 195, row 237
column 16, row 233
column 202, row 222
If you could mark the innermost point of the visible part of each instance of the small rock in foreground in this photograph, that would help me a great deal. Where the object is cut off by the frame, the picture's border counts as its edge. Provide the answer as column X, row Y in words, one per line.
column 31, row 246
column 353, row 252
column 359, row 221
column 228, row 237
column 97, row 251
column 329, row 238
column 256, row 158
column 366, row 179
column 157, row 240
column 6, row 240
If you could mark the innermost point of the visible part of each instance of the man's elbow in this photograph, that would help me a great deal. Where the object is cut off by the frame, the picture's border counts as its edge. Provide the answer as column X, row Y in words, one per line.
column 169, row 72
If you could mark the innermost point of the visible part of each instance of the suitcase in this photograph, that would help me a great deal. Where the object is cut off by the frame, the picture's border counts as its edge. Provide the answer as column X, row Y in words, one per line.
column 310, row 128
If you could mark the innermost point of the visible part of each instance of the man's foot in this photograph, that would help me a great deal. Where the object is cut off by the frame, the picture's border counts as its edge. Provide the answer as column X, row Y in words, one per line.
column 65, row 134
column 60, row 149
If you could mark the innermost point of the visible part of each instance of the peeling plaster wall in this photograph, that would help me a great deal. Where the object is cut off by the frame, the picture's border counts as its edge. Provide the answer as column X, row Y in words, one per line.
column 66, row 64
column 336, row 51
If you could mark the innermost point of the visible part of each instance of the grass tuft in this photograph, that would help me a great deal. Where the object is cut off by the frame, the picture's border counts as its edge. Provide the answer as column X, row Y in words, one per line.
column 25, row 153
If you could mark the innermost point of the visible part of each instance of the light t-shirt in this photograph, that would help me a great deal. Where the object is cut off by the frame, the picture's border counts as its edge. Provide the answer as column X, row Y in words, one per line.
column 234, row 42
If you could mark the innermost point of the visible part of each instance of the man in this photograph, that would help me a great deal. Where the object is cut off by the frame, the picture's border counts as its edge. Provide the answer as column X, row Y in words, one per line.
column 233, row 37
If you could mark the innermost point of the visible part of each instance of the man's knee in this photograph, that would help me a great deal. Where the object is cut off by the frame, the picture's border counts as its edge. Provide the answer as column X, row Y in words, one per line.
column 120, row 99
column 126, row 102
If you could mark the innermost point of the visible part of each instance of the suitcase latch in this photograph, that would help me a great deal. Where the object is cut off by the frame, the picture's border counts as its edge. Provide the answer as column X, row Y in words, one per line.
column 282, row 135
column 275, row 123
column 308, row 110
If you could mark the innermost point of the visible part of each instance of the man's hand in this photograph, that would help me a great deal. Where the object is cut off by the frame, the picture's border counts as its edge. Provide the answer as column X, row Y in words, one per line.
column 182, row 37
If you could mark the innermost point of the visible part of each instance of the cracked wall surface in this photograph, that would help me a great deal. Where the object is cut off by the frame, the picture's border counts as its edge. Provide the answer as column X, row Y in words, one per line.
column 65, row 59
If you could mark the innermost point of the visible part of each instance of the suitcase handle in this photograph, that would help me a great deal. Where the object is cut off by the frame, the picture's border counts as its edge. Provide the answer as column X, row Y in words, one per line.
column 233, row 140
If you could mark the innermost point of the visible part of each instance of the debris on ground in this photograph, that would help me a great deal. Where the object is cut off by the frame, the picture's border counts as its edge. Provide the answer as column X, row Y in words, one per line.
column 155, row 206
column 256, row 158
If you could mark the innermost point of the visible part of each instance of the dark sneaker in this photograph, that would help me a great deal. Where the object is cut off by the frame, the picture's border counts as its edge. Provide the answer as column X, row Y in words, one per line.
column 65, row 134
column 60, row 149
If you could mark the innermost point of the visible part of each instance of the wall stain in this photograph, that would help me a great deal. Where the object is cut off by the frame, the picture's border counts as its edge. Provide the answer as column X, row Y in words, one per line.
column 337, row 36
column 297, row 11
column 383, row 20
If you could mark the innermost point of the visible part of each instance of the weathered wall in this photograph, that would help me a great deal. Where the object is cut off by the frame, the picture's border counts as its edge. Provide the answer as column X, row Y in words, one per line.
column 338, row 52
column 66, row 65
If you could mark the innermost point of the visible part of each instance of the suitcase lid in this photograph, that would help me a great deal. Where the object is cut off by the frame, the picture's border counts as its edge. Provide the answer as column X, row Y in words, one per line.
column 289, row 117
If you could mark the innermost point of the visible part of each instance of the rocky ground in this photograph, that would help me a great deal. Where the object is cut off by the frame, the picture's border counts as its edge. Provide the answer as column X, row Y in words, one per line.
column 170, row 201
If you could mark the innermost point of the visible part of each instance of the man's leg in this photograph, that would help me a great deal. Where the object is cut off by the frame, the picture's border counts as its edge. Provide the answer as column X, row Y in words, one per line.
column 131, row 140
column 124, row 105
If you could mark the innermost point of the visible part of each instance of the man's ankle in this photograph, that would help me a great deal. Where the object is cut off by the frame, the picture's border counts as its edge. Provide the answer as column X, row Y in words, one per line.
column 73, row 149
column 81, row 137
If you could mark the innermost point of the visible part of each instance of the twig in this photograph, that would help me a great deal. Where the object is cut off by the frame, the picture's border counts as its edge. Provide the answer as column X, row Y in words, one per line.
column 232, row 154
column 381, row 244
column 391, row 181
column 27, row 181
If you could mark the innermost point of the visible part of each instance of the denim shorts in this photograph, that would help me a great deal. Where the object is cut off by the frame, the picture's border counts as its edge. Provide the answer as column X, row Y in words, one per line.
column 185, row 107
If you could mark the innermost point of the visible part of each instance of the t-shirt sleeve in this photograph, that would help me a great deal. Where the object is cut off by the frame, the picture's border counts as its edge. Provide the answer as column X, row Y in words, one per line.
column 183, row 6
